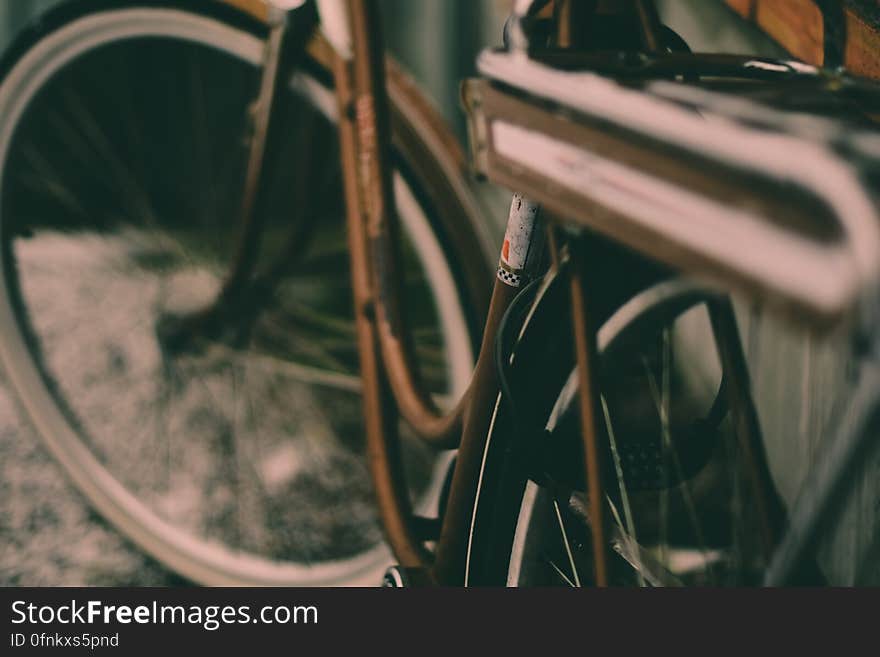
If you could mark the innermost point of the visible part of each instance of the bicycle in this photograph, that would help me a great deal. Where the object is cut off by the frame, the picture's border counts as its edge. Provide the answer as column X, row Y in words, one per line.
column 220, row 315
column 582, row 133
column 160, row 176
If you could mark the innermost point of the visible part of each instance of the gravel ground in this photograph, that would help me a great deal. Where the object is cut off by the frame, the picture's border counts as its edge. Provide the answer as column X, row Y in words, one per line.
column 49, row 536
column 225, row 443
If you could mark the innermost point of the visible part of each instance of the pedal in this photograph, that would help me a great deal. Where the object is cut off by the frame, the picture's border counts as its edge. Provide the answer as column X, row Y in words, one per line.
column 648, row 465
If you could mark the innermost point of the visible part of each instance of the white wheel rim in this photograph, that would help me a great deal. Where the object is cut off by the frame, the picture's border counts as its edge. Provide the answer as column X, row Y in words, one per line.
column 202, row 561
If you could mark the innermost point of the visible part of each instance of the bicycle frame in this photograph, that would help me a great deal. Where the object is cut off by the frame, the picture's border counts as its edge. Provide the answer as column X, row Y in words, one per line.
column 391, row 381
column 381, row 327
column 825, row 489
column 387, row 365
column 392, row 385
column 391, row 377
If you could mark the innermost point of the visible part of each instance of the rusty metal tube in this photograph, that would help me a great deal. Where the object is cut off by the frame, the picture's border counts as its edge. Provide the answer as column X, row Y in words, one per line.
column 588, row 396
column 373, row 133
column 380, row 419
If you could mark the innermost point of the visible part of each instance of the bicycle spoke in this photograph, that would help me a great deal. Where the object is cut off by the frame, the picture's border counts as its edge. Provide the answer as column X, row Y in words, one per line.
column 566, row 544
column 562, row 576
column 670, row 447
column 650, row 570
column 624, row 495
column 665, row 367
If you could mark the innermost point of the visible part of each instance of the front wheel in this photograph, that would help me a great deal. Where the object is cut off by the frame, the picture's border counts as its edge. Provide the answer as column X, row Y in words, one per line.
column 231, row 450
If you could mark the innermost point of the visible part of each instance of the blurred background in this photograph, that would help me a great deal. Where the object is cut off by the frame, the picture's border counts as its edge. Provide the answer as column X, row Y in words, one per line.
column 49, row 536
column 437, row 40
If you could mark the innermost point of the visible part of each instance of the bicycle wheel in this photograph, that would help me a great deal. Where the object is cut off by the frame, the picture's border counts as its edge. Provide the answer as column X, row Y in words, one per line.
column 229, row 450
column 678, row 500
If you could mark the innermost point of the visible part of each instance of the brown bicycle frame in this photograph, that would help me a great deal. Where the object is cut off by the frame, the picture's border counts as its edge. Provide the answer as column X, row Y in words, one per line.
column 392, row 384
column 388, row 369
column 390, row 375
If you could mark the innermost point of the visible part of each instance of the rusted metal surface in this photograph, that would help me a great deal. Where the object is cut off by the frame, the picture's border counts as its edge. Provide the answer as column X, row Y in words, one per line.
column 649, row 25
column 365, row 135
column 388, row 367
column 439, row 154
column 588, row 395
column 798, row 26
column 372, row 120
column 374, row 250
column 572, row 18
column 379, row 416
column 481, row 398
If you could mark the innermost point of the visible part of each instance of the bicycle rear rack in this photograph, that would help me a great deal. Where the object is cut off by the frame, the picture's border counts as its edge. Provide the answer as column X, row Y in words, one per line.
column 755, row 207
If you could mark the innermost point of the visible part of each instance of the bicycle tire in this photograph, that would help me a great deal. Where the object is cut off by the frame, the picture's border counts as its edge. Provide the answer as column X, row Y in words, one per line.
column 520, row 508
column 431, row 169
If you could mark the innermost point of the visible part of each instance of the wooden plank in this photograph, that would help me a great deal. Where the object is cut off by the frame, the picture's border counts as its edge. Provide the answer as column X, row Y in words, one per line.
column 863, row 44
column 797, row 26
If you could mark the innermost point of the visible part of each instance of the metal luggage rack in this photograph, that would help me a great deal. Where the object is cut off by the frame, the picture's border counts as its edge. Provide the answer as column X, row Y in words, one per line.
column 691, row 176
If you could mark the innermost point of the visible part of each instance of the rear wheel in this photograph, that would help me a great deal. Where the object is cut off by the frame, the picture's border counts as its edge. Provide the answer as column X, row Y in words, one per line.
column 676, row 484
column 230, row 450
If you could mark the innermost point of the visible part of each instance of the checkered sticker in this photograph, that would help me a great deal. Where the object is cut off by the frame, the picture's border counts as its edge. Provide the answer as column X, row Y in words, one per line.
column 509, row 277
